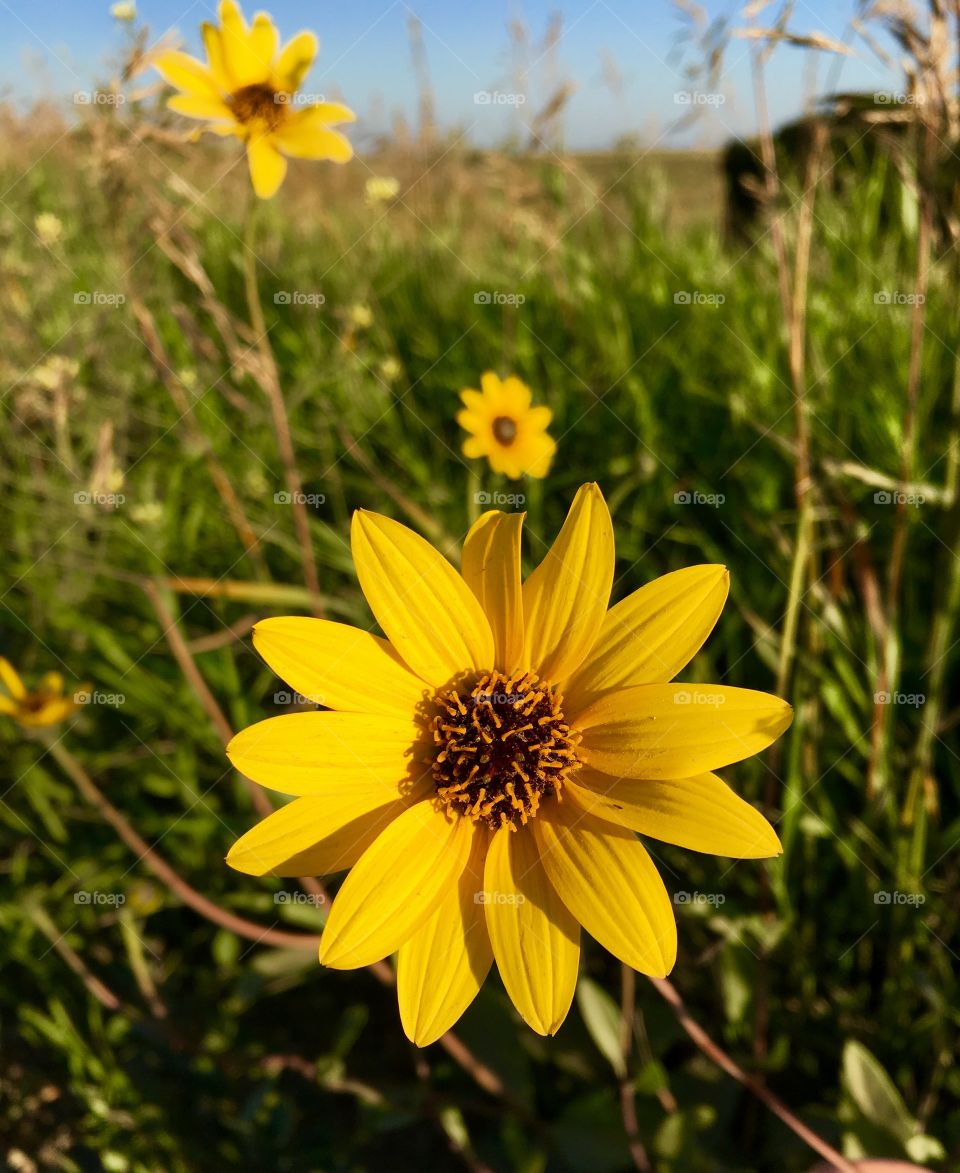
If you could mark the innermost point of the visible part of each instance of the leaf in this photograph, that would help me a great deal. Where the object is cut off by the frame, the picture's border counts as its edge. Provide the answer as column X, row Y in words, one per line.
column 874, row 1092
column 602, row 1018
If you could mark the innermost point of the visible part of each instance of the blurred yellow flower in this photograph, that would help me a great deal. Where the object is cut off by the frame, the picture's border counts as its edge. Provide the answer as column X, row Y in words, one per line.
column 381, row 189
column 45, row 705
column 248, row 88
column 505, row 428
column 49, row 227
column 125, row 12
column 360, row 315
column 483, row 771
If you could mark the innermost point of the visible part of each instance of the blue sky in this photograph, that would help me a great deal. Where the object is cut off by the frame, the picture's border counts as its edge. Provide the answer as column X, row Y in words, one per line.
column 60, row 46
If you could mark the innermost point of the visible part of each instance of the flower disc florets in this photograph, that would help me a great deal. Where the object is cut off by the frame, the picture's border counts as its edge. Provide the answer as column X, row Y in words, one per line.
column 502, row 747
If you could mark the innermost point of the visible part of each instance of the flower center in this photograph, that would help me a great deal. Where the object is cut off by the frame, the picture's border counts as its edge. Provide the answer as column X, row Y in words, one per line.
column 502, row 747
column 259, row 103
column 505, row 429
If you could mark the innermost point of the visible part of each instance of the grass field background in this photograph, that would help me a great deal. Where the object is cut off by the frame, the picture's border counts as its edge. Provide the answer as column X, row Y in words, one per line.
column 831, row 973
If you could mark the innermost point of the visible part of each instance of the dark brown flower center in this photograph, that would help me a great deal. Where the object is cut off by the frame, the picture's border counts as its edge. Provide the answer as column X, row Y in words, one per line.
column 505, row 429
column 502, row 747
column 259, row 103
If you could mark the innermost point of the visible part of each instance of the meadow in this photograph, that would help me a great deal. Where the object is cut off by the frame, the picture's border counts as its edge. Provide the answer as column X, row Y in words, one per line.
column 147, row 524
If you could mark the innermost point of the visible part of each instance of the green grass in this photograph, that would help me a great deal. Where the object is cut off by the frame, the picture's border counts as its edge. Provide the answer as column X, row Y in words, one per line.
column 652, row 399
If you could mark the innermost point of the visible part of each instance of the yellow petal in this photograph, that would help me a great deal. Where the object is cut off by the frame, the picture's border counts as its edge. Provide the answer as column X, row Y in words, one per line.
column 302, row 753
column 267, row 166
column 194, row 106
column 296, row 57
column 308, row 136
column 338, row 666
column 490, row 566
column 425, row 608
column 240, row 59
column 317, row 836
column 264, row 42
column 701, row 813
column 651, row 635
column 678, row 730
column 441, row 967
column 530, row 455
column 605, row 877
column 215, row 56
column 565, row 599
column 397, row 884
column 186, row 73
column 11, row 679
column 536, row 940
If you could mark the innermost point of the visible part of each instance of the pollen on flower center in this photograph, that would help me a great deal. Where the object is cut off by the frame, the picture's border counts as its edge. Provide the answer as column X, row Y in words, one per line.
column 502, row 746
column 505, row 429
column 259, row 103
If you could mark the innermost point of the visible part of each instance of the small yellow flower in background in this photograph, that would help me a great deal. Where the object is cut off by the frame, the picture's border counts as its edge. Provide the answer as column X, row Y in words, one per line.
column 124, row 12
column 248, row 88
column 505, row 428
column 360, row 316
column 483, row 770
column 33, row 709
column 49, row 227
column 381, row 189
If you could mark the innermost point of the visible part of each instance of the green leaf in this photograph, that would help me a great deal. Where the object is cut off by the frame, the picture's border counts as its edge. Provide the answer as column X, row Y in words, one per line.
column 602, row 1018
column 874, row 1092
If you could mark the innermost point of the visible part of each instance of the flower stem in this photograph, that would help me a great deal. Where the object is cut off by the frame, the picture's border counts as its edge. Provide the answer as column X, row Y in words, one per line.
column 270, row 381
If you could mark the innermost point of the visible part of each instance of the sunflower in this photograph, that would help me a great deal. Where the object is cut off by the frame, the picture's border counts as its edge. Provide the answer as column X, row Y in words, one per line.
column 43, row 706
column 248, row 88
column 484, row 770
column 505, row 428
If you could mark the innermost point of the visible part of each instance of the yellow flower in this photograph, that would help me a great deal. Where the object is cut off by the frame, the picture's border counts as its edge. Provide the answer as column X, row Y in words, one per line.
column 248, row 88
column 381, row 189
column 124, row 12
column 44, row 706
column 483, row 770
column 49, row 227
column 505, row 429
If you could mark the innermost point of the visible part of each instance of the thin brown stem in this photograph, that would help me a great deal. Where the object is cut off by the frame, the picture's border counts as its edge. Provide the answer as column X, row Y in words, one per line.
column 164, row 872
column 717, row 1055
column 270, row 381
column 628, row 1105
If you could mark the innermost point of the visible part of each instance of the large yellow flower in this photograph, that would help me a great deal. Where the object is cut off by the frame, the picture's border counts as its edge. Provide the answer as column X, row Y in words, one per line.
column 33, row 708
column 505, row 428
column 248, row 88
column 484, row 768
